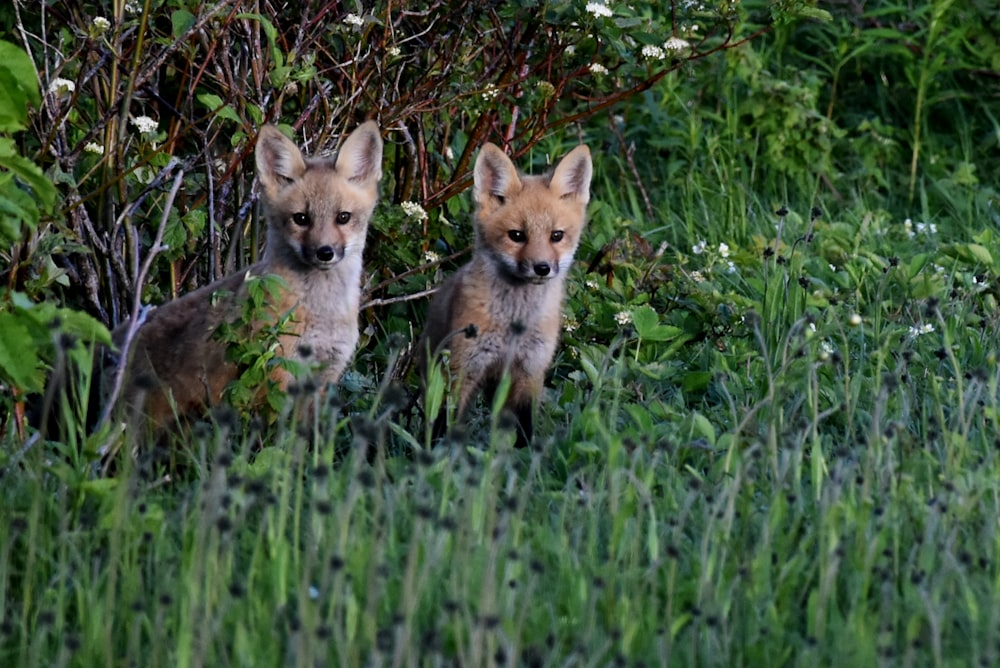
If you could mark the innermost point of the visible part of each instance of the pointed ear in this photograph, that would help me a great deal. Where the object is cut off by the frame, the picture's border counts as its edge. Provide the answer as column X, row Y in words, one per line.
column 494, row 177
column 278, row 159
column 360, row 158
column 571, row 179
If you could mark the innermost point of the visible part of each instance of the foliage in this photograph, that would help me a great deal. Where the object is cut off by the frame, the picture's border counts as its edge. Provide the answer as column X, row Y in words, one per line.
column 769, row 436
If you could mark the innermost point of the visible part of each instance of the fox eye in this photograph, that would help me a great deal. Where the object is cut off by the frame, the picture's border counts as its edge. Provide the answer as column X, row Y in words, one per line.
column 343, row 217
column 300, row 219
column 556, row 236
column 517, row 236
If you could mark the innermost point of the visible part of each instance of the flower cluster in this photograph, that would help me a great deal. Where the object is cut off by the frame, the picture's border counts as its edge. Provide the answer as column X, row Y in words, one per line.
column 60, row 86
column 917, row 330
column 354, row 20
column 145, row 124
column 414, row 210
column 913, row 229
column 675, row 46
column 599, row 10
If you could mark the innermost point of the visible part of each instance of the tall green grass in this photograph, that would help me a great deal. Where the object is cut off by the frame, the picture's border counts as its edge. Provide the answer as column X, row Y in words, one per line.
column 780, row 451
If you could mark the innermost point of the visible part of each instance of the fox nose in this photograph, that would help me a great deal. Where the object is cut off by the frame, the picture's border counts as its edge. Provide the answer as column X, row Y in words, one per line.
column 542, row 269
column 326, row 253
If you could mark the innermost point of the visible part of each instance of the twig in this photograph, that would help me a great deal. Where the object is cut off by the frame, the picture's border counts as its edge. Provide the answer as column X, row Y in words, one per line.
column 402, row 298
column 138, row 313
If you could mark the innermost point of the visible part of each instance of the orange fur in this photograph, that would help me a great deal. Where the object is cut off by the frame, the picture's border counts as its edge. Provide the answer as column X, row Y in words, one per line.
column 527, row 231
column 317, row 212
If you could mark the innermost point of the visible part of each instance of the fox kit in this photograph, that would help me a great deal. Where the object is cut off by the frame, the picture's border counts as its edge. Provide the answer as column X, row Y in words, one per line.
column 527, row 229
column 317, row 212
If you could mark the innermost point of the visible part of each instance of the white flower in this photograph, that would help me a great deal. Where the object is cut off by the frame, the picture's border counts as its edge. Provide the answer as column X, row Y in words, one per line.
column 623, row 318
column 599, row 9
column 854, row 320
column 917, row 330
column 730, row 267
column 448, row 153
column 101, row 25
column 354, row 20
column 908, row 226
column 826, row 349
column 133, row 7
column 570, row 323
column 393, row 51
column 699, row 247
column 676, row 45
column 591, row 284
column 653, row 52
column 724, row 250
column 490, row 92
column 927, row 228
column 93, row 147
column 414, row 210
column 569, row 50
column 145, row 124
column 60, row 86
column 430, row 257
column 697, row 277
column 597, row 68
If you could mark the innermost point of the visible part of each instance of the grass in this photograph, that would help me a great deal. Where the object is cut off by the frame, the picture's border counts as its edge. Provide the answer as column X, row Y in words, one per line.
column 784, row 452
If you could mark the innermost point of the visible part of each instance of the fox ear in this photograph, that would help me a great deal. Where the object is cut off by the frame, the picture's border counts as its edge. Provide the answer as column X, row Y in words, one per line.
column 360, row 158
column 278, row 159
column 571, row 179
column 494, row 177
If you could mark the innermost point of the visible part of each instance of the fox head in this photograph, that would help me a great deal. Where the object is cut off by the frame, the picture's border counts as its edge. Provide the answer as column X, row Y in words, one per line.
column 318, row 208
column 530, row 225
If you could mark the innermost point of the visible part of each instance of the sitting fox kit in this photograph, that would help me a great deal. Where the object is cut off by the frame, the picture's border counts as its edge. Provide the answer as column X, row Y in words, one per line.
column 317, row 212
column 526, row 229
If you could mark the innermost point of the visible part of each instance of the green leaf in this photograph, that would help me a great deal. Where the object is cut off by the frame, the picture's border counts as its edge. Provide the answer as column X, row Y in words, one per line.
column 18, row 87
column 19, row 362
column 182, row 21
column 648, row 327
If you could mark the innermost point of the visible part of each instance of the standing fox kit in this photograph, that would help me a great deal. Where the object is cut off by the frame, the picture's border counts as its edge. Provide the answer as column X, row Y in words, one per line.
column 317, row 212
column 527, row 229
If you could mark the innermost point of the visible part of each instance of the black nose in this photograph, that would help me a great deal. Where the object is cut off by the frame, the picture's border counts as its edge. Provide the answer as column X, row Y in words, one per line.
column 542, row 268
column 325, row 253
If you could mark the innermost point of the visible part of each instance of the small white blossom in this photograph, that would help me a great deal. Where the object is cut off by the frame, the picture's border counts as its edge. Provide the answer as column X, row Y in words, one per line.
column 145, row 124
column 570, row 324
column 599, row 9
column 313, row 592
column 414, row 210
column 393, row 51
column 133, row 7
column 826, row 349
column 908, row 226
column 448, row 153
column 699, row 247
column 60, row 86
column 653, row 52
column 917, row 330
column 623, row 318
column 724, row 250
column 546, row 89
column 927, row 228
column 491, row 92
column 676, row 45
column 93, row 147
column 354, row 20
column 430, row 257
column 730, row 267
column 569, row 50
column 591, row 284
column 597, row 68
column 101, row 25
column 854, row 320
column 697, row 277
